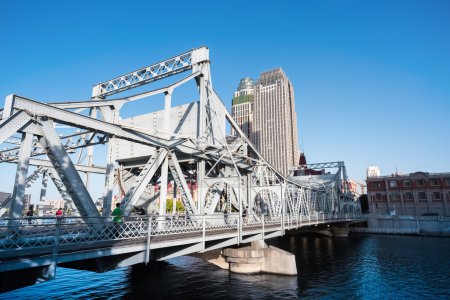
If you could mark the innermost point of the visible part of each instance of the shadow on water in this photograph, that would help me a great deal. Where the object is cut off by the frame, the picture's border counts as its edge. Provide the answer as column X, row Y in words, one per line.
column 192, row 278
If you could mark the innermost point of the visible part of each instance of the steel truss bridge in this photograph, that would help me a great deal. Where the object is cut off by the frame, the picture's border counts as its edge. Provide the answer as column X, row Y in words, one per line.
column 229, row 193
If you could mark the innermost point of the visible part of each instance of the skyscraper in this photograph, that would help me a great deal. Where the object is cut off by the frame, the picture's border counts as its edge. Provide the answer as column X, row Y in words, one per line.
column 242, row 108
column 273, row 121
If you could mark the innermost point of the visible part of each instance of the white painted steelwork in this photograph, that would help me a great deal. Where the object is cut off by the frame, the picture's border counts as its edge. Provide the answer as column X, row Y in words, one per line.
column 216, row 175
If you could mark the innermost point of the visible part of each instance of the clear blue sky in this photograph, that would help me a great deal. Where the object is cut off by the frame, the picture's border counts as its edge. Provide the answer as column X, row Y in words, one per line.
column 371, row 78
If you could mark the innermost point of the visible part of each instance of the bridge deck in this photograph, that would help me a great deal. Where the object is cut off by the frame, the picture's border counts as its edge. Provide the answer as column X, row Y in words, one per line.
column 29, row 245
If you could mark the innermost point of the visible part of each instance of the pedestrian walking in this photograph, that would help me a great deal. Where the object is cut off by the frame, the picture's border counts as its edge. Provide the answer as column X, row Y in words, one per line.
column 117, row 219
column 59, row 213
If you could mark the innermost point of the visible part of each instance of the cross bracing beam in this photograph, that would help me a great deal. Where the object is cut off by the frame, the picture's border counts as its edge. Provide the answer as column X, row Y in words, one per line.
column 61, row 189
column 142, row 180
column 78, row 167
column 163, row 69
column 66, row 170
column 178, row 176
column 325, row 165
column 13, row 124
column 87, row 104
column 213, row 196
column 117, row 103
column 80, row 121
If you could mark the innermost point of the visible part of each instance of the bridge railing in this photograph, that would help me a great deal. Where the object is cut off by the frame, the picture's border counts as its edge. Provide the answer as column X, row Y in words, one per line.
column 36, row 232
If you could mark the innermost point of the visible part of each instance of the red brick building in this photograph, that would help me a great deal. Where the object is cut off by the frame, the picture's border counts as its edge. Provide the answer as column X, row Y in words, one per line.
column 415, row 194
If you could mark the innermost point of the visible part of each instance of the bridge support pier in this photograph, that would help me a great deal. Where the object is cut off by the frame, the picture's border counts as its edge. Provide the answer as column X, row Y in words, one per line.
column 259, row 258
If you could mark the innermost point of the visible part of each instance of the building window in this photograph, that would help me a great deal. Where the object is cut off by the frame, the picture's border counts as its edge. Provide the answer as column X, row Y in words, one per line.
column 420, row 182
column 406, row 182
column 393, row 183
column 436, row 196
column 447, row 181
column 434, row 181
column 377, row 184
column 408, row 196
column 395, row 197
column 422, row 196
column 378, row 195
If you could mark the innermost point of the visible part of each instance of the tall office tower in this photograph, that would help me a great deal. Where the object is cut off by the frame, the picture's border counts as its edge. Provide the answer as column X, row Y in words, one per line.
column 274, row 131
column 242, row 109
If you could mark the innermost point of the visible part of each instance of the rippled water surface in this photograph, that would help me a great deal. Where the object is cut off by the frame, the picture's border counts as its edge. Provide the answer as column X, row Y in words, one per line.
column 360, row 267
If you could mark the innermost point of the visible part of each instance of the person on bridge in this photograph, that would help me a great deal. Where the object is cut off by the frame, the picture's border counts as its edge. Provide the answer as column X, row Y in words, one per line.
column 59, row 213
column 117, row 214
column 117, row 219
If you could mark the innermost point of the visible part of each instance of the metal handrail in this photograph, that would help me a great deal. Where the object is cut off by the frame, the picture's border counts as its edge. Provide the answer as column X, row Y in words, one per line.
column 35, row 232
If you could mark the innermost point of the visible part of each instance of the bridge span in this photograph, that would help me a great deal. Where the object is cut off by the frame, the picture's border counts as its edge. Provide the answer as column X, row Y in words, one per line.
column 100, row 245
column 227, row 192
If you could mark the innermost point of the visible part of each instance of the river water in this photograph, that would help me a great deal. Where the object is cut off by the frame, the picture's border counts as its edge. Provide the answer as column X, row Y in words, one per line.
column 358, row 267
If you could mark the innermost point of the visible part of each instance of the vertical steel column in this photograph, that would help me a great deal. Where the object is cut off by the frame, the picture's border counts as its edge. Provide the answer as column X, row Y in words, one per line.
column 51, row 271
column 204, row 233
column 167, row 108
column 44, row 186
column 200, row 194
column 109, row 178
column 90, row 151
column 250, row 200
column 201, row 82
column 109, row 115
column 149, row 234
column 163, row 190
column 165, row 164
column 174, row 202
column 240, row 221
column 21, row 177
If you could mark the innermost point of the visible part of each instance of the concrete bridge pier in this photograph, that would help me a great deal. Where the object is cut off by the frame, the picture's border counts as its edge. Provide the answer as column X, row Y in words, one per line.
column 259, row 258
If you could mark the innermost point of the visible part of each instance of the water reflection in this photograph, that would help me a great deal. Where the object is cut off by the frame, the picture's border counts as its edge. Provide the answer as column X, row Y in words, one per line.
column 368, row 267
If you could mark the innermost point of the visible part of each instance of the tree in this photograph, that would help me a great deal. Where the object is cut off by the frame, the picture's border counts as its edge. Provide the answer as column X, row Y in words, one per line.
column 169, row 206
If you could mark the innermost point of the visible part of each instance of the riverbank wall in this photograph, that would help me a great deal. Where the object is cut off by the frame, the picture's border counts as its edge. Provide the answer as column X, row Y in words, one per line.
column 412, row 225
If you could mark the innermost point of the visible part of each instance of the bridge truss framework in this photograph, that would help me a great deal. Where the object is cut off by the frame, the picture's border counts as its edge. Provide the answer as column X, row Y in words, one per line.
column 58, row 140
